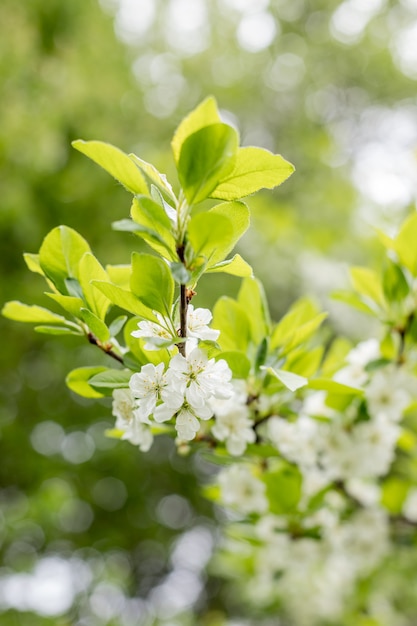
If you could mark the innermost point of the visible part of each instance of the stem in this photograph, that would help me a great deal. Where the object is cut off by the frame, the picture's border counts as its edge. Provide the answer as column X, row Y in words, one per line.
column 107, row 348
column 183, row 305
column 183, row 317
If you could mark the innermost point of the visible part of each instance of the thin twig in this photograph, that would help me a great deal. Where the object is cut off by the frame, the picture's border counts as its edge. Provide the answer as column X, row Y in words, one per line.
column 105, row 347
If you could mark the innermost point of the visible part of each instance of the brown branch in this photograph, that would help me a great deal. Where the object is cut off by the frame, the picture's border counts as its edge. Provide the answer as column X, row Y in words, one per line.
column 105, row 347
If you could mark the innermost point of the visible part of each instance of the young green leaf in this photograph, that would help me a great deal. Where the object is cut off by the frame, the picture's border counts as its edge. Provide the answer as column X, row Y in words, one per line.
column 77, row 381
column 394, row 282
column 115, row 162
column 206, row 157
column 153, row 176
column 119, row 274
column 155, row 224
column 230, row 318
column 96, row 325
column 89, row 270
column 238, row 363
column 298, row 325
column 236, row 266
column 405, row 244
column 33, row 263
column 60, row 255
column 255, row 169
column 57, row 330
column 33, row 314
column 367, row 283
column 252, row 298
column 215, row 233
column 203, row 115
column 288, row 379
column 110, row 379
column 70, row 304
column 117, row 325
column 124, row 299
column 152, row 282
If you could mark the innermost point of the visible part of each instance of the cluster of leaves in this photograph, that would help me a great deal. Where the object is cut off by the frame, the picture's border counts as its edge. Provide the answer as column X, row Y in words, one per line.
column 189, row 240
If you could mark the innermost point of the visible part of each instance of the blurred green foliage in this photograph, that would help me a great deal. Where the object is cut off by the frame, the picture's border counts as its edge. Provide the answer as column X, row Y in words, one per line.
column 318, row 91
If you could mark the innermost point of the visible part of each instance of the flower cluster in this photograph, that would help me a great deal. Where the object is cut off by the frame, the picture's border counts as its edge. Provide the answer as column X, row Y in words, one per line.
column 182, row 393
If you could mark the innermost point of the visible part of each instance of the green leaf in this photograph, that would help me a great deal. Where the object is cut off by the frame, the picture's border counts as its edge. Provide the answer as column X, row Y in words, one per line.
column 394, row 282
column 90, row 270
column 297, row 326
column 352, row 299
column 124, row 299
column 57, row 330
column 204, row 114
column 367, row 283
column 209, row 235
column 252, row 298
column 33, row 263
column 119, row 275
column 70, row 304
column 152, row 282
column 305, row 362
column 180, row 274
column 230, row 318
column 20, row 312
column 332, row 386
column 115, row 162
column 155, row 224
column 238, row 363
column 290, row 380
column 215, row 233
column 236, row 266
column 255, row 169
column 394, row 493
column 96, row 325
column 405, row 244
column 283, row 488
column 60, row 255
column 153, row 176
column 117, row 325
column 206, row 157
column 77, row 381
column 110, row 379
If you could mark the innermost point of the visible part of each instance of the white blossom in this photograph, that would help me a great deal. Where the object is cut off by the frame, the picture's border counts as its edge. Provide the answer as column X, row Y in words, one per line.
column 186, row 418
column 139, row 434
column 354, row 374
column 200, row 378
column 153, row 330
column 128, row 421
column 233, row 424
column 241, row 490
column 122, row 407
column 149, row 386
column 297, row 441
column 197, row 324
column 387, row 393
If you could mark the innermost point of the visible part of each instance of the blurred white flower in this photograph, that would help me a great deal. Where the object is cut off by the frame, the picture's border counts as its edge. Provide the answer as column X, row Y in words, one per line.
column 387, row 393
column 354, row 374
column 233, row 425
column 128, row 420
column 241, row 490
